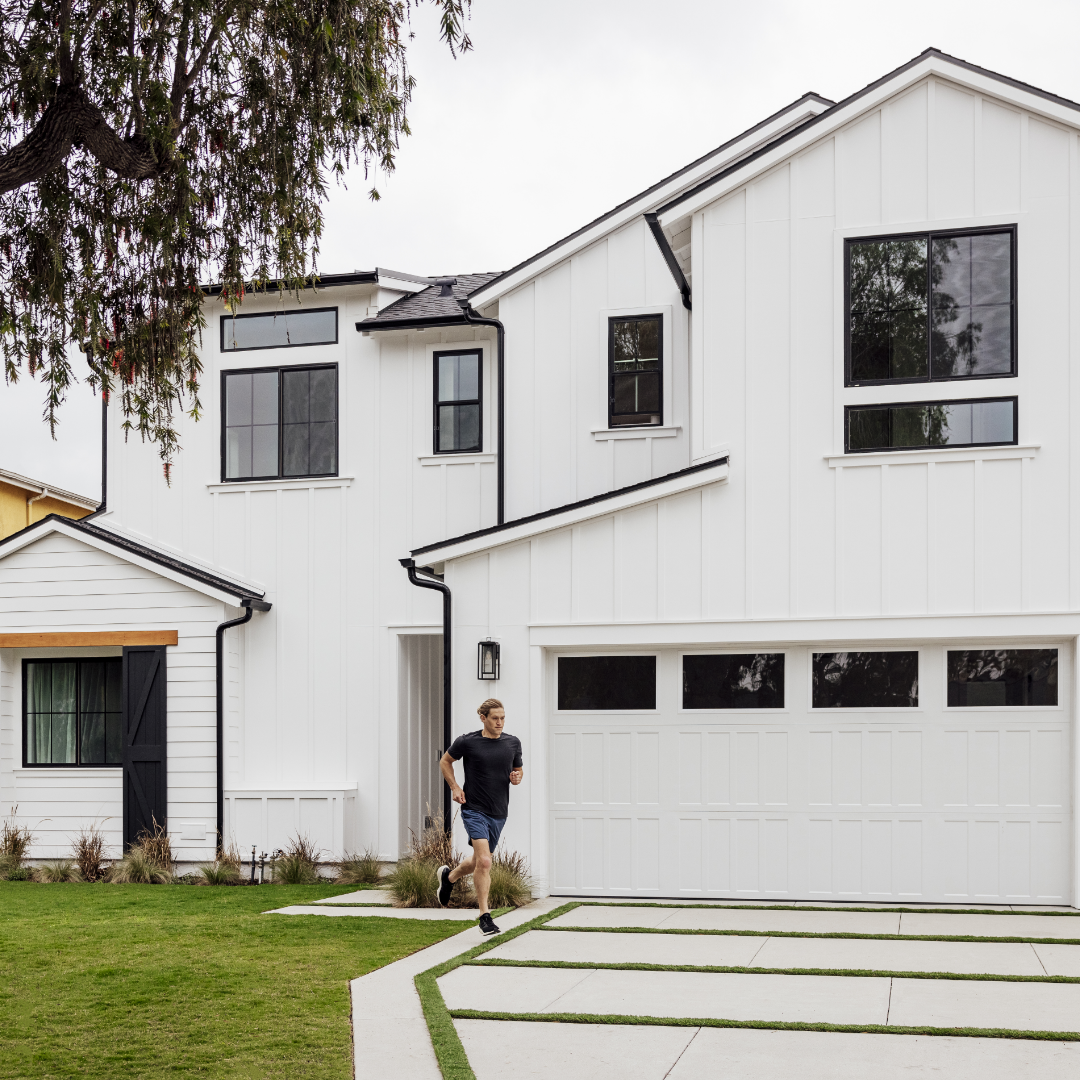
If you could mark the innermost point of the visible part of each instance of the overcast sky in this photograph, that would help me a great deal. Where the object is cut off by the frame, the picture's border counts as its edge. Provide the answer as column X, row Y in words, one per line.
column 566, row 107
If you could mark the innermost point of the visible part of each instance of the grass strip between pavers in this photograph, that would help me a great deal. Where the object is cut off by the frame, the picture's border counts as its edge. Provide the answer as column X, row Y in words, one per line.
column 765, row 1025
column 723, row 906
column 809, row 934
column 716, row 969
column 449, row 1052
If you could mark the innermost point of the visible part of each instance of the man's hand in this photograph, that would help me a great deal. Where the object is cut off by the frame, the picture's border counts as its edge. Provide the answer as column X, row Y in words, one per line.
column 457, row 795
column 516, row 775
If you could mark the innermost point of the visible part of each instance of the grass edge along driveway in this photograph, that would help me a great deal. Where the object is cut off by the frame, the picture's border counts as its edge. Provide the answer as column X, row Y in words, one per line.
column 146, row 981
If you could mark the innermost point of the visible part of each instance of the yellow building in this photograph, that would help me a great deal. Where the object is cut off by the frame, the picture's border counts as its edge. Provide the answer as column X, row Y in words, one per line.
column 24, row 501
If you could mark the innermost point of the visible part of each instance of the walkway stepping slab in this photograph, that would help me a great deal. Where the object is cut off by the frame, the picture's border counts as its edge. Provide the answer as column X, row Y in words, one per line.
column 1028, row 926
column 361, row 896
column 1059, row 959
column 863, row 954
column 454, row 914
column 785, row 920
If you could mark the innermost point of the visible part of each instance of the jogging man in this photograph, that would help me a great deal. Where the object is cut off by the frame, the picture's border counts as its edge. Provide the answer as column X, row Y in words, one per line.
column 492, row 763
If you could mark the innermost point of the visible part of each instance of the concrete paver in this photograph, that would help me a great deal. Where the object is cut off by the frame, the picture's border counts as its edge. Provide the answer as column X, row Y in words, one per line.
column 834, row 999
column 452, row 914
column 599, row 947
column 958, row 957
column 734, row 1054
column 1059, row 959
column 1036, row 926
column 361, row 896
column 537, row 1051
column 615, row 916
column 1021, row 1006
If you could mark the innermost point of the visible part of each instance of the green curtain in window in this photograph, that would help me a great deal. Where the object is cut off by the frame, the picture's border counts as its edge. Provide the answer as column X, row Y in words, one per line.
column 50, row 713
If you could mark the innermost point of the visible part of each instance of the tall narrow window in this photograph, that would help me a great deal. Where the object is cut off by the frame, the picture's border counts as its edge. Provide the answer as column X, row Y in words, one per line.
column 931, row 306
column 72, row 712
column 457, row 402
column 280, row 423
column 636, row 371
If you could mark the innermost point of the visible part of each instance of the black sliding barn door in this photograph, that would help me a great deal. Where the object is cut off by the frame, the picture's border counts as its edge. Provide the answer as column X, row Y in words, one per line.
column 145, row 777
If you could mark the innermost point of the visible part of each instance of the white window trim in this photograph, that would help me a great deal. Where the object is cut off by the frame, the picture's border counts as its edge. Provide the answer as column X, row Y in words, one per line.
column 903, row 710
column 942, row 454
column 668, row 417
column 720, row 713
column 285, row 484
column 450, row 458
column 1017, row 712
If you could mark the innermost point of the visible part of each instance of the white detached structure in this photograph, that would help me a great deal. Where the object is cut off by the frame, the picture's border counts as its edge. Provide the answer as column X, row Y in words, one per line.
column 766, row 532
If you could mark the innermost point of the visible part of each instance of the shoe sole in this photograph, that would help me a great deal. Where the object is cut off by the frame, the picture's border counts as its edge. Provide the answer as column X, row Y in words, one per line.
column 490, row 933
column 438, row 885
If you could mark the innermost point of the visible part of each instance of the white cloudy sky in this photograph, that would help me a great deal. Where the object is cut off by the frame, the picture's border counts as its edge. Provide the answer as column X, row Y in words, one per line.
column 567, row 107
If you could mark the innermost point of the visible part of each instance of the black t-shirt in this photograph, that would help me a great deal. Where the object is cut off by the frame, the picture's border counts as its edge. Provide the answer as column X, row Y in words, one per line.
column 487, row 770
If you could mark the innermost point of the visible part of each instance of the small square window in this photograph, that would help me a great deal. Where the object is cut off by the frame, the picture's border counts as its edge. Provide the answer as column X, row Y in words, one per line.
column 458, row 402
column 636, row 371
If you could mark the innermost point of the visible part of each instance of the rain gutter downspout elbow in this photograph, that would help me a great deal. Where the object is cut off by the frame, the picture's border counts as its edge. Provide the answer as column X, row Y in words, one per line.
column 252, row 605
column 669, row 257
column 447, row 732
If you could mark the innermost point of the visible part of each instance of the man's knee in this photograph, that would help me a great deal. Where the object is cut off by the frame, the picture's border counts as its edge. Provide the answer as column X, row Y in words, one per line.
column 483, row 862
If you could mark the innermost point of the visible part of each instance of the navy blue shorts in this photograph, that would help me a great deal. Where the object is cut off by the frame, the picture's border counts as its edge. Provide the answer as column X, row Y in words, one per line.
column 480, row 826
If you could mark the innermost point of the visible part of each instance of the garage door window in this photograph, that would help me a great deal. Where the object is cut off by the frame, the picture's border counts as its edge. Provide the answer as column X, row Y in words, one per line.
column 866, row 680
column 735, row 681
column 607, row 682
column 1013, row 678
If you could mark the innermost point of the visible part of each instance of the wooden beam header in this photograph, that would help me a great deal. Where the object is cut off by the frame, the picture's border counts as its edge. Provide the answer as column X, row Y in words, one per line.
column 89, row 637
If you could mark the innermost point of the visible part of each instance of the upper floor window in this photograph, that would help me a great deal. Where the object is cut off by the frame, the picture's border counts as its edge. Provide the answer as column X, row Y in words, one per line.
column 636, row 371
column 72, row 712
column 912, row 425
column 280, row 422
column 279, row 329
column 931, row 306
column 457, row 402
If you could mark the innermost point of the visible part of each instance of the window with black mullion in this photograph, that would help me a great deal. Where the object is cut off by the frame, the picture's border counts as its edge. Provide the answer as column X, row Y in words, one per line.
column 458, row 402
column 72, row 712
column 635, row 388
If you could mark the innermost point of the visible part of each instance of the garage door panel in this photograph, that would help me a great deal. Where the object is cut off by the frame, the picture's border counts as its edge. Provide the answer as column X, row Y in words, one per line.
column 746, row 768
column 647, row 752
column 620, row 768
column 691, row 862
column 647, row 854
column 620, row 854
column 718, row 855
column 776, row 768
column 1050, row 871
column 1049, row 767
column 690, row 765
column 718, row 767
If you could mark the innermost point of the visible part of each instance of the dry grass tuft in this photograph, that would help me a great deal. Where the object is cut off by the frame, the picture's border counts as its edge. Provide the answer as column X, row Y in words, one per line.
column 219, row 873
column 60, row 870
column 137, row 868
column 155, row 845
column 363, row 869
column 89, row 853
column 511, row 880
column 298, row 864
column 15, row 841
column 412, row 884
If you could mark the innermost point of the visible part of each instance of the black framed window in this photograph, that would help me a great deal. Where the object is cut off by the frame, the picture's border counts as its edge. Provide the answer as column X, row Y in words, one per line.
column 279, row 422
column 1009, row 677
column 636, row 371
column 913, row 424
column 279, row 329
column 931, row 306
column 607, row 682
column 734, row 681
column 865, row 680
column 72, row 712
column 458, row 402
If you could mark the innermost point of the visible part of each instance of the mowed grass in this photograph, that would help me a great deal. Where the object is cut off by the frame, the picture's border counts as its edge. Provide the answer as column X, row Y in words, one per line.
column 139, row 981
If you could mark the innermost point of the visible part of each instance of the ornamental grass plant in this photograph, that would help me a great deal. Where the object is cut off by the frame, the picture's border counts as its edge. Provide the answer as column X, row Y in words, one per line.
column 148, row 861
column 218, row 873
column 15, row 841
column 88, row 851
column 298, row 864
column 511, row 880
column 413, row 883
column 60, row 870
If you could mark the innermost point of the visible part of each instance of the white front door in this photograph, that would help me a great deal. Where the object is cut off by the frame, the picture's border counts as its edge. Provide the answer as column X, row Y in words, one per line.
column 919, row 804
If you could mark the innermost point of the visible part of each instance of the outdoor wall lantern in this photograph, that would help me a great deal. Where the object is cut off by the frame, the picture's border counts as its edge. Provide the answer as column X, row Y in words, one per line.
column 487, row 660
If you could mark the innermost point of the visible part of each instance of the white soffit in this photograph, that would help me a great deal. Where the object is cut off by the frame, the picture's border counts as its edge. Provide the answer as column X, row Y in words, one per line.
column 574, row 516
column 796, row 113
column 946, row 68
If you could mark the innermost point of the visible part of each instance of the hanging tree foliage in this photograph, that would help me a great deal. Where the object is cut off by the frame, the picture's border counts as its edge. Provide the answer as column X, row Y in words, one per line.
column 149, row 145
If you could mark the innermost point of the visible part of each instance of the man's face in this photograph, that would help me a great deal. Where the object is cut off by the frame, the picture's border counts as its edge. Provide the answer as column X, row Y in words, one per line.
column 494, row 722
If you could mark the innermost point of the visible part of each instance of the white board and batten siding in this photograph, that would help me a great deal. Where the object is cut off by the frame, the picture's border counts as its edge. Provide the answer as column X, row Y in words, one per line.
column 59, row 584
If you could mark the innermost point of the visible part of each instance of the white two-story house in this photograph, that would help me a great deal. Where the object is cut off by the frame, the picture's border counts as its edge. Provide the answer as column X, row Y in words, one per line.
column 753, row 500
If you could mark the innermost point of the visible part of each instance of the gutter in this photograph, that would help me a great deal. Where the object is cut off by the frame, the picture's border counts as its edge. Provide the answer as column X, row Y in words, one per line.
column 669, row 257
column 252, row 606
column 43, row 494
column 439, row 586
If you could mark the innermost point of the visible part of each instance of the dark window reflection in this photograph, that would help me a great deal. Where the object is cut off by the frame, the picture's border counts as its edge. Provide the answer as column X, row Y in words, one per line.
column 607, row 682
column 887, row 291
column 1011, row 677
column 457, row 402
column 73, row 712
column 636, row 371
column 951, row 423
column 740, row 681
column 866, row 680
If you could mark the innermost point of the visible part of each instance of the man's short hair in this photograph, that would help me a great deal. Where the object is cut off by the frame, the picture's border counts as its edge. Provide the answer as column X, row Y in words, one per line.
column 491, row 703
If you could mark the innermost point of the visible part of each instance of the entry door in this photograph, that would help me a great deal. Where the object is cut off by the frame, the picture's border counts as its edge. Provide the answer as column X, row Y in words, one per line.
column 145, row 774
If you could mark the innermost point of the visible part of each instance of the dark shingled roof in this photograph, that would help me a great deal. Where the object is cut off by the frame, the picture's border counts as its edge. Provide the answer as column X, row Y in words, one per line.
column 427, row 305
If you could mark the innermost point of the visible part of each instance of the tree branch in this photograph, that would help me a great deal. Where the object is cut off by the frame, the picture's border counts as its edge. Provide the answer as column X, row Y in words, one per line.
column 67, row 65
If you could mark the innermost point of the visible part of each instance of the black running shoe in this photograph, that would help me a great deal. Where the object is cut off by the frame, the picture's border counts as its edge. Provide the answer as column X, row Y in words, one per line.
column 487, row 925
column 445, row 887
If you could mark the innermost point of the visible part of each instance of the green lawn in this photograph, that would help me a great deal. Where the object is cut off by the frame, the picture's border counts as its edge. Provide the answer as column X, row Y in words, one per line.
column 133, row 981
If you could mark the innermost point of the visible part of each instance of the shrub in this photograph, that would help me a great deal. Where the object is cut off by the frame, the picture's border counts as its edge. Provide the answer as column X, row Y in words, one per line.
column 18, row 873
column 412, row 884
column 15, row 841
column 511, row 881
column 218, row 873
column 298, row 864
column 60, row 870
column 362, row 869
column 89, row 853
column 136, row 868
column 155, row 845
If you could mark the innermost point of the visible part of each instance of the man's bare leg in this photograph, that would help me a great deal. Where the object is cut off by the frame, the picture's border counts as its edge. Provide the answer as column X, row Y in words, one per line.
column 479, row 865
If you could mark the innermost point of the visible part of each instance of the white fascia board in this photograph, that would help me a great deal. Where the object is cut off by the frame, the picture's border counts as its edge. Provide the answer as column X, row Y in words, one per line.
column 39, row 487
column 31, row 535
column 799, row 112
column 939, row 66
column 601, row 508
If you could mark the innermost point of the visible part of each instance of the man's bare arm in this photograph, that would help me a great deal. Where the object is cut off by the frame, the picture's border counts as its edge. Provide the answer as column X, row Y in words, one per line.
column 446, row 767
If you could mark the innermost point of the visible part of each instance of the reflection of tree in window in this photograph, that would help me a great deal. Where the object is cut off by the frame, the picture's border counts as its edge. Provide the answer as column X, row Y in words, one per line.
column 635, row 371
column 1010, row 677
column 865, row 680
column 734, row 681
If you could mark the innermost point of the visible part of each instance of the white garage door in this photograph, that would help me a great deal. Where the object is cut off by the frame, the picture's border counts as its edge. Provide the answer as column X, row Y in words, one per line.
column 963, row 797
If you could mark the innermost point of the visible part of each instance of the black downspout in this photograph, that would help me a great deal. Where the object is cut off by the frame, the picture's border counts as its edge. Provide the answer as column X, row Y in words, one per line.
column 252, row 606
column 104, row 457
column 669, row 257
column 428, row 583
column 500, row 406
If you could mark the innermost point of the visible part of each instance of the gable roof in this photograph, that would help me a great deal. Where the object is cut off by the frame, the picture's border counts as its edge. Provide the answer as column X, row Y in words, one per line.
column 158, row 560
column 427, row 306
column 810, row 104
column 39, row 486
